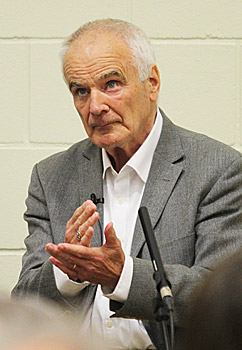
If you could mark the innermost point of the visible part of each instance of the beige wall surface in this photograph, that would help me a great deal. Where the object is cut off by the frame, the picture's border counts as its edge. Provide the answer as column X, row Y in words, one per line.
column 198, row 44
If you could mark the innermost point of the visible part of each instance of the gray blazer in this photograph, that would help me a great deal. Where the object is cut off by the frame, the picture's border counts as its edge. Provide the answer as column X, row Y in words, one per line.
column 194, row 197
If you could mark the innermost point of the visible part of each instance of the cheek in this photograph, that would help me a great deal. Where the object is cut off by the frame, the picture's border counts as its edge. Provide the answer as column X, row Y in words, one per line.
column 124, row 105
column 81, row 108
column 116, row 103
column 77, row 104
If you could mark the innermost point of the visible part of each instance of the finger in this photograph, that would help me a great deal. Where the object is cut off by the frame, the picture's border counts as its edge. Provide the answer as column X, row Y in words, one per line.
column 83, row 256
column 72, row 273
column 87, row 238
column 50, row 247
column 84, row 217
column 65, row 258
column 89, row 210
column 98, row 265
column 77, row 250
column 89, row 223
column 79, row 212
column 71, row 229
column 72, row 265
column 76, row 214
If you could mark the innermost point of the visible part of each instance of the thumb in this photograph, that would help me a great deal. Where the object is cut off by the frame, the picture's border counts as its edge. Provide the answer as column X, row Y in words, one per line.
column 110, row 235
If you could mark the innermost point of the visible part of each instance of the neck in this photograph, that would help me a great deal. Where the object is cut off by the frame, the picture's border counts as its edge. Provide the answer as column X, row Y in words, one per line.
column 118, row 158
column 121, row 154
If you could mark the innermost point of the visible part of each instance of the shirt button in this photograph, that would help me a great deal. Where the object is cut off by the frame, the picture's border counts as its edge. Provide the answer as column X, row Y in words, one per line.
column 120, row 200
column 109, row 323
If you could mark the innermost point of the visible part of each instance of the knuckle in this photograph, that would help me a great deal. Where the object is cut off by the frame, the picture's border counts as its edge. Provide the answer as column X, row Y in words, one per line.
column 76, row 212
column 70, row 260
column 79, row 220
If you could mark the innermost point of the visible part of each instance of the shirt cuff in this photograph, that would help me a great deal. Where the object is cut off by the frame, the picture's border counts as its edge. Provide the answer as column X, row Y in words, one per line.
column 65, row 285
column 121, row 291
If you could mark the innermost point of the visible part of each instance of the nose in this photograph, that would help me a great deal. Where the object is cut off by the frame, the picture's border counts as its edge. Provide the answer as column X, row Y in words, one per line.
column 97, row 102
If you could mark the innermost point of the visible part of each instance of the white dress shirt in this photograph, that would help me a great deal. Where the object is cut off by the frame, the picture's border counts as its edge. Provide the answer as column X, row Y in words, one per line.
column 122, row 192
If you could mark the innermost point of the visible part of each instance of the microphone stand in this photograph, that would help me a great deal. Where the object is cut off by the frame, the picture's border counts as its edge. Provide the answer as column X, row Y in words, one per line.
column 163, row 304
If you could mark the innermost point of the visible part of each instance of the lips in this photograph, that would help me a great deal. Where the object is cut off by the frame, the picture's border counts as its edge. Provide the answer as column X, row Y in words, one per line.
column 102, row 124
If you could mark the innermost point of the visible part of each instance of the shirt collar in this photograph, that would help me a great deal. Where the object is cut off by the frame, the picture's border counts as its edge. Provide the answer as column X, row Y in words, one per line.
column 146, row 151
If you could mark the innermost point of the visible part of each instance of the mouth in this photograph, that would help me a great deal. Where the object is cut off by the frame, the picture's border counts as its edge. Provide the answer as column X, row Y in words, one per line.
column 103, row 125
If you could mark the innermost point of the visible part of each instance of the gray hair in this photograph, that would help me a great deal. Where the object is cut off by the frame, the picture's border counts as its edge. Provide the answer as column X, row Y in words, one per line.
column 141, row 51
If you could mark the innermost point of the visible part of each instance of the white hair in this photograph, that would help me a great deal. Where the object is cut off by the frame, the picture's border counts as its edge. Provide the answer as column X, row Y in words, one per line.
column 141, row 51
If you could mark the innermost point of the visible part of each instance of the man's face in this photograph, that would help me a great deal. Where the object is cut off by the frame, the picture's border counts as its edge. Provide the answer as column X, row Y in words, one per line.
column 117, row 110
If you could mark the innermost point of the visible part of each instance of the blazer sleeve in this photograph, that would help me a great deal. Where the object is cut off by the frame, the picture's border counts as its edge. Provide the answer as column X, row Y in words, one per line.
column 217, row 233
column 37, row 275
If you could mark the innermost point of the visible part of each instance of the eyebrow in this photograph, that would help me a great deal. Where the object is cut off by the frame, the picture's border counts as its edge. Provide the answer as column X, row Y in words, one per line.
column 74, row 84
column 103, row 77
column 111, row 74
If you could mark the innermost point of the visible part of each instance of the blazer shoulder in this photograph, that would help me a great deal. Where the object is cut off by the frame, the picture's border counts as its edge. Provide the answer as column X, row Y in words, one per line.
column 67, row 159
column 198, row 149
column 202, row 146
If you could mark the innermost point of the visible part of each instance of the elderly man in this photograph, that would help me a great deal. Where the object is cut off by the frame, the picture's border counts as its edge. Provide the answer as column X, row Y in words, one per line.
column 99, row 264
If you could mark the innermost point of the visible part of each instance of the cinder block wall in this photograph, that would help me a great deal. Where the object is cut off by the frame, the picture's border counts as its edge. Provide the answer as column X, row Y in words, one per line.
column 198, row 46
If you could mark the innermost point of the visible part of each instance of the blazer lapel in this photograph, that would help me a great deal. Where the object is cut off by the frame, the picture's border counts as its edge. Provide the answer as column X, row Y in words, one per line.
column 90, row 171
column 164, row 174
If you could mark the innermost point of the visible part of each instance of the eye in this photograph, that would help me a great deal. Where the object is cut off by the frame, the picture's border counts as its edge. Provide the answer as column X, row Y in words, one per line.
column 81, row 92
column 112, row 84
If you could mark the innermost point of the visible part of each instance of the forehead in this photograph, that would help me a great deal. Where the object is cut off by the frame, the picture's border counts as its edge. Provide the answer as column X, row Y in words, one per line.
column 96, row 53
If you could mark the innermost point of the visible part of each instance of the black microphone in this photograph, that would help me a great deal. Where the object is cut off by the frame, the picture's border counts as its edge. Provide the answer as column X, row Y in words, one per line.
column 163, row 286
column 96, row 200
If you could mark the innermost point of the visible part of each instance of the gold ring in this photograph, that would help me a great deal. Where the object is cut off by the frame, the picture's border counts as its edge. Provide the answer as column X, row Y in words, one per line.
column 74, row 266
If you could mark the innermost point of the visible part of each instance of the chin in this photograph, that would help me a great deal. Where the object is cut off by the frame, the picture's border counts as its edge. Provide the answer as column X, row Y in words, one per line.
column 106, row 142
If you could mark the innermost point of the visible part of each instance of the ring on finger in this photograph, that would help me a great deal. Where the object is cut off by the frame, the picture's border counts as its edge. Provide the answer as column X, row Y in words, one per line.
column 79, row 235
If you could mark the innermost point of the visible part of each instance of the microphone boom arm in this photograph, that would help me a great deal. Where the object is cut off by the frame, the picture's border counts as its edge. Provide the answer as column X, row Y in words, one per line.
column 164, row 304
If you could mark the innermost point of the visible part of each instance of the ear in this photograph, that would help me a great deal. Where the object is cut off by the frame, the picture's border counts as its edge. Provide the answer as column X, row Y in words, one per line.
column 154, row 83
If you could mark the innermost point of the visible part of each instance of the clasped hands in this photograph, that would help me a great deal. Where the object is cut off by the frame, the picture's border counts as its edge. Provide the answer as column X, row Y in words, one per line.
column 98, row 265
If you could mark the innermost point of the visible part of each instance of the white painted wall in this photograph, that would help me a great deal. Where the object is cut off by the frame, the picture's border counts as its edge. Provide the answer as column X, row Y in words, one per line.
column 198, row 44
